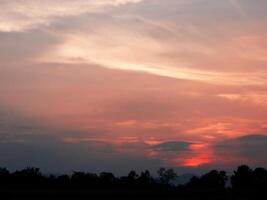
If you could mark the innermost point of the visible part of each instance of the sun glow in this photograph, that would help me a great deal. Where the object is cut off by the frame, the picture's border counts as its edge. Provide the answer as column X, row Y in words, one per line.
column 201, row 155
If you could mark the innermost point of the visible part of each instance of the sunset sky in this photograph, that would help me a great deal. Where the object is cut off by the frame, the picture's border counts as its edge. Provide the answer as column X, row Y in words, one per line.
column 114, row 85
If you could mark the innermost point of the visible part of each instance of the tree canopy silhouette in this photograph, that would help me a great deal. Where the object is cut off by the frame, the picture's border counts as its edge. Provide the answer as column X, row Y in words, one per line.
column 244, row 181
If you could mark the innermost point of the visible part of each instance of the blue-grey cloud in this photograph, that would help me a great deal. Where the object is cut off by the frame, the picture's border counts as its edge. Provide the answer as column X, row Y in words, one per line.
column 250, row 149
column 25, row 142
column 173, row 146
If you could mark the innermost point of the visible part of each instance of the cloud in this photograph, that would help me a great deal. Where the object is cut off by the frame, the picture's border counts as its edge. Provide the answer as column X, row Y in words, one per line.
column 227, row 153
column 181, row 45
column 242, row 150
column 186, row 43
column 54, row 156
column 183, row 154
column 18, row 48
column 174, row 146
column 23, row 15
column 26, row 142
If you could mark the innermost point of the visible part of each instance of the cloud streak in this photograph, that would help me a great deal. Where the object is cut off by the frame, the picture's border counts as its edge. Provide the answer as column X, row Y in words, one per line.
column 24, row 15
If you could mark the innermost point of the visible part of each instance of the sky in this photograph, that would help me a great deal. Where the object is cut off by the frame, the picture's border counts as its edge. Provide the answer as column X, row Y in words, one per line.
column 115, row 85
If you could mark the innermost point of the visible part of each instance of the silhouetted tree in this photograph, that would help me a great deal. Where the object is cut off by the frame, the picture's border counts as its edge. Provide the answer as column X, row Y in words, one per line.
column 130, row 181
column 84, row 180
column 107, row 179
column 214, row 180
column 166, row 175
column 245, row 183
column 145, row 179
column 4, row 172
column 63, row 181
column 260, row 179
column 132, row 175
column 194, row 183
column 4, row 177
column 242, row 178
column 28, row 177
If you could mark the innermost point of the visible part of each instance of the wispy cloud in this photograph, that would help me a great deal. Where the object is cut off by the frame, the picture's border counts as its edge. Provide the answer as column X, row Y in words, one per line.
column 23, row 15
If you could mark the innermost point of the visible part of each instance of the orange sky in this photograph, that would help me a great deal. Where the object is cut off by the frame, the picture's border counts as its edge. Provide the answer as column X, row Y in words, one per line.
column 172, row 81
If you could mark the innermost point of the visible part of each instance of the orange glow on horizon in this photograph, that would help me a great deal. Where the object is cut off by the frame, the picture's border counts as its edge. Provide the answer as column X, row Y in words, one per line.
column 201, row 154
column 195, row 162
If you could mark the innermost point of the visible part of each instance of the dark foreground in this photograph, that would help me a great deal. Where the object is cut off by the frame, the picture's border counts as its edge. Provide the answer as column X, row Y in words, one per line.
column 30, row 183
column 120, row 195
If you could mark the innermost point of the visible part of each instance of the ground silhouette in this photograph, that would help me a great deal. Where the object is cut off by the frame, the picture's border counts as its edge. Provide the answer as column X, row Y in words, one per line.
column 31, row 183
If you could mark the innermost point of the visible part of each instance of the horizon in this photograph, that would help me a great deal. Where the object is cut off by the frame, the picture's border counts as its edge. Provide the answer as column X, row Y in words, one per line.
column 116, row 85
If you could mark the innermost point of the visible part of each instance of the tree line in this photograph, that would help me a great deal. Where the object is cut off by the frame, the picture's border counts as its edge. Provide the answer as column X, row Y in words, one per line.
column 244, row 181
